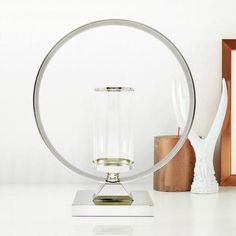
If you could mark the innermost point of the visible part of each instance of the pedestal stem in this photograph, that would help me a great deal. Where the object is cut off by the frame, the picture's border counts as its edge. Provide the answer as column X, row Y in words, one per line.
column 113, row 178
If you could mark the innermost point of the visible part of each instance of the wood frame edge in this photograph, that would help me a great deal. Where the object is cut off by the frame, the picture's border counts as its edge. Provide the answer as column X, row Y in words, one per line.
column 226, row 177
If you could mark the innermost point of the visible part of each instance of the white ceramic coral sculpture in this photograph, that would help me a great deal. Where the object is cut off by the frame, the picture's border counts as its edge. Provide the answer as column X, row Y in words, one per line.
column 204, row 174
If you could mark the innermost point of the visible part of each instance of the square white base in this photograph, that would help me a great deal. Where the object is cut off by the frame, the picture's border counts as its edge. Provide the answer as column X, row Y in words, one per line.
column 83, row 205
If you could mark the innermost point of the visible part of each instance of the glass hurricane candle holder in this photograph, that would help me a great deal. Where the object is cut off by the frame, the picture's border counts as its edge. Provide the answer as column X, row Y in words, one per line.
column 113, row 131
column 113, row 142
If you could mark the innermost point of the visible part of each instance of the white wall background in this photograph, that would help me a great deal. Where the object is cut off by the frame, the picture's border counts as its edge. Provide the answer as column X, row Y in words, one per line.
column 28, row 29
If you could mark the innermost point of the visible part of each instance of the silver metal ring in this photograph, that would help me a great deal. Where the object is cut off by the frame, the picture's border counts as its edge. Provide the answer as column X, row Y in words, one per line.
column 157, row 35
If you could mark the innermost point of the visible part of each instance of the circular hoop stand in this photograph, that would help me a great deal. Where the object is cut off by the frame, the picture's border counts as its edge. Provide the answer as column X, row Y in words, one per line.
column 139, row 203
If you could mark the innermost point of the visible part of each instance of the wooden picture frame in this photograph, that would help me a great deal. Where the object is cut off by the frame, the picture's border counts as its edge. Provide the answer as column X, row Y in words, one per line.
column 228, row 178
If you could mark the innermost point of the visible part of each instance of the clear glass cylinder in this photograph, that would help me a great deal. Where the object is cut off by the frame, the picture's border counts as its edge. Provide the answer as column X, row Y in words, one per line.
column 113, row 132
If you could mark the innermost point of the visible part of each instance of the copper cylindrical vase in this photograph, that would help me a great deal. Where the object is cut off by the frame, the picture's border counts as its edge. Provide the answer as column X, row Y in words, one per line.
column 177, row 175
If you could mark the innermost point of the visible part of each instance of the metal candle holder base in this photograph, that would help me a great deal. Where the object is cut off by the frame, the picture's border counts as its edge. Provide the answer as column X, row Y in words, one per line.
column 83, row 205
column 113, row 194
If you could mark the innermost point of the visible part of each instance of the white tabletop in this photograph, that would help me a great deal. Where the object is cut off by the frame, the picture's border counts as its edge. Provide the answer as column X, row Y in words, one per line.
column 46, row 210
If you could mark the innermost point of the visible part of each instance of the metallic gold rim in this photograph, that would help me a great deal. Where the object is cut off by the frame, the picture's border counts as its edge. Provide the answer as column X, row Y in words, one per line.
column 114, row 89
column 113, row 200
column 113, row 162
